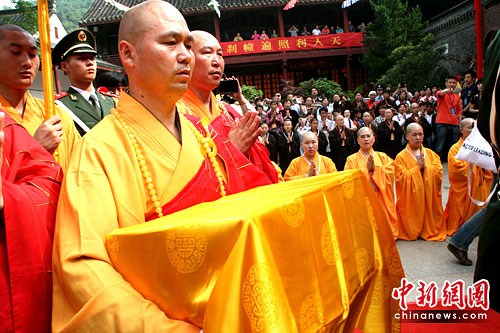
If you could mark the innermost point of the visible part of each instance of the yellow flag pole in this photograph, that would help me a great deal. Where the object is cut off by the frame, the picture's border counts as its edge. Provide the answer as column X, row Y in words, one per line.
column 45, row 50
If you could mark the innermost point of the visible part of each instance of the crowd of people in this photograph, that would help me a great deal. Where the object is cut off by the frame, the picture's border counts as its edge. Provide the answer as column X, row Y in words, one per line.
column 339, row 126
column 293, row 31
column 168, row 143
column 385, row 111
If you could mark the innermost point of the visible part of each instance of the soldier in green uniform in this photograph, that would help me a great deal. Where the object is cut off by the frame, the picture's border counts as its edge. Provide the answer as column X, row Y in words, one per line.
column 75, row 54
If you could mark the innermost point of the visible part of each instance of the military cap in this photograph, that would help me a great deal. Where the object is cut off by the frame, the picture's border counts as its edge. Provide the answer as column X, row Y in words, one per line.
column 379, row 87
column 78, row 41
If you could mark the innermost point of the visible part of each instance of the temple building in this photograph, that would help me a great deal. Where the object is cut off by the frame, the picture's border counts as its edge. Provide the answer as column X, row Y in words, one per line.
column 268, row 63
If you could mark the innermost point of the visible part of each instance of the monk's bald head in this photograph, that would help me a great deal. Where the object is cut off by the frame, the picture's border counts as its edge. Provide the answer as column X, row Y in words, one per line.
column 141, row 18
column 309, row 136
column 466, row 122
column 364, row 130
column 413, row 127
column 202, row 38
column 466, row 126
column 310, row 144
column 209, row 63
column 12, row 27
column 155, row 50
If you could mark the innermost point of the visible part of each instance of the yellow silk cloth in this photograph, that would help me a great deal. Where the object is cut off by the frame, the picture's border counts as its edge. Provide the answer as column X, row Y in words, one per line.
column 313, row 254
column 299, row 167
column 34, row 116
column 460, row 207
column 382, row 177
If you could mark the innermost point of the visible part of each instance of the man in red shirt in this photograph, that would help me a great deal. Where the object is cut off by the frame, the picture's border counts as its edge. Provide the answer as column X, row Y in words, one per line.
column 449, row 115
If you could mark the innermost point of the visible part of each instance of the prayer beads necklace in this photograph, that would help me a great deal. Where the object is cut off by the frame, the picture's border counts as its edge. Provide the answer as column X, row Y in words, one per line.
column 142, row 163
column 207, row 148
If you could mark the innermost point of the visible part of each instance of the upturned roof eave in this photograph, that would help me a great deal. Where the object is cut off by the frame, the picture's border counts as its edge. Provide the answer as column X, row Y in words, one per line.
column 202, row 10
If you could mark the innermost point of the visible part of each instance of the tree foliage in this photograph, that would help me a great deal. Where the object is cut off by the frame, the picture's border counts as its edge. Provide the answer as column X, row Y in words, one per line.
column 250, row 92
column 325, row 87
column 26, row 17
column 400, row 49
column 414, row 64
column 72, row 11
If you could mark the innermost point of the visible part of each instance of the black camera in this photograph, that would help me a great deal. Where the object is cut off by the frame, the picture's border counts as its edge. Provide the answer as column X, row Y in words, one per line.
column 228, row 87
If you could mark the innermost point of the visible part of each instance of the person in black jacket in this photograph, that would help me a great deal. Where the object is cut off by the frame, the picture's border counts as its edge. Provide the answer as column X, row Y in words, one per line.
column 390, row 134
column 342, row 143
column 269, row 141
column 289, row 145
column 322, row 139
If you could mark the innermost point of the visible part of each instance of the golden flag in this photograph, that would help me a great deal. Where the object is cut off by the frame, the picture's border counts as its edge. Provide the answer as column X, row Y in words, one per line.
column 46, row 57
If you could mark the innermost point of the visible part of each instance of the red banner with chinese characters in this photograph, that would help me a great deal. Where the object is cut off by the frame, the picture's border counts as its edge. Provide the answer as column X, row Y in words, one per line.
column 285, row 44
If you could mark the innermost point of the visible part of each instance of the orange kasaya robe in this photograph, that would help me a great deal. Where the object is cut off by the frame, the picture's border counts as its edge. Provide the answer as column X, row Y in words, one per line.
column 299, row 167
column 419, row 206
column 383, row 181
column 31, row 180
column 460, row 207
column 34, row 116
column 105, row 189
column 222, row 118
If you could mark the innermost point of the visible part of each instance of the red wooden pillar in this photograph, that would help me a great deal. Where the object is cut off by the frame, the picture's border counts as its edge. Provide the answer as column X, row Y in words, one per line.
column 284, row 64
column 348, row 67
column 56, row 78
column 217, row 27
column 346, row 20
column 281, row 25
column 479, row 37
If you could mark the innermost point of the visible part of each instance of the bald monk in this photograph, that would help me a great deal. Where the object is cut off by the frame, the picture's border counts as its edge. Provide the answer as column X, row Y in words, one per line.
column 143, row 161
column 460, row 207
column 310, row 163
column 419, row 175
column 378, row 168
column 200, row 101
column 18, row 69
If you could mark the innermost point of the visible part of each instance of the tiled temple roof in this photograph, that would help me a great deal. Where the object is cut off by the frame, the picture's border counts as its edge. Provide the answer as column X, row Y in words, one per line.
column 104, row 11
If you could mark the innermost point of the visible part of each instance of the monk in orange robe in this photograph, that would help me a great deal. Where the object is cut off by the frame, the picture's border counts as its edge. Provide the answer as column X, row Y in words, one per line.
column 311, row 163
column 460, row 207
column 200, row 101
column 18, row 70
column 419, row 176
column 145, row 160
column 29, row 189
column 378, row 168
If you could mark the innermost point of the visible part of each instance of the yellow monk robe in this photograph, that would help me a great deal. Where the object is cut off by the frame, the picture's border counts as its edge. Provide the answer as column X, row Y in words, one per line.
column 459, row 207
column 99, row 196
column 34, row 116
column 419, row 204
column 300, row 166
column 383, row 177
column 197, row 108
column 299, row 261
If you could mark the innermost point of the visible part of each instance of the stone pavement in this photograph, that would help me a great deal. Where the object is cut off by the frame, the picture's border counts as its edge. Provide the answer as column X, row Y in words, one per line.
column 431, row 261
